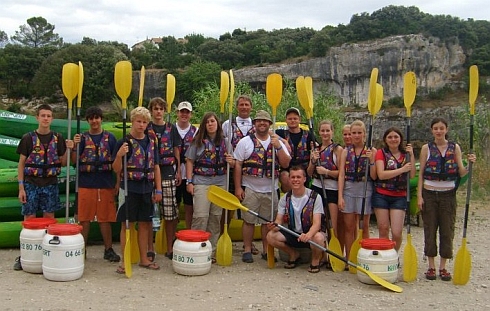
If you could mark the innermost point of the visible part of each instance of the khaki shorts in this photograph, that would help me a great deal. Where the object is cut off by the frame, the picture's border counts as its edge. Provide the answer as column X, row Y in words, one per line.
column 259, row 203
column 96, row 204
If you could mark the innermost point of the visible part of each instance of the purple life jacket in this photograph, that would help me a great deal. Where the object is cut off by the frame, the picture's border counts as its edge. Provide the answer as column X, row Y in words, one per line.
column 259, row 164
column 211, row 162
column 95, row 157
column 43, row 162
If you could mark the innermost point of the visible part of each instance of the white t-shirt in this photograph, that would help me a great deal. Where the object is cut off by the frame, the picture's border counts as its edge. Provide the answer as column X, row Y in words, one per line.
column 243, row 124
column 243, row 150
column 298, row 203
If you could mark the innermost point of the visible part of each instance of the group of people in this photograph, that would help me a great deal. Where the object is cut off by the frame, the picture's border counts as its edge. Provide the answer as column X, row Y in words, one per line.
column 169, row 163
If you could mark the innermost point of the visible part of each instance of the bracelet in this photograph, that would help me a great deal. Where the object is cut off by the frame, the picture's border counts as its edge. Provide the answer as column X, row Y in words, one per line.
column 189, row 181
column 371, row 164
column 280, row 147
column 158, row 192
column 21, row 182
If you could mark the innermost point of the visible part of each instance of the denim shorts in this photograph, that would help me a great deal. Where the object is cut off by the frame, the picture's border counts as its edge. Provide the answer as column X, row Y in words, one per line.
column 379, row 200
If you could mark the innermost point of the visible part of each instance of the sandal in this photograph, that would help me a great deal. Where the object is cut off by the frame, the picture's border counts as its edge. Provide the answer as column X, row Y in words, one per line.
column 291, row 264
column 264, row 256
column 444, row 274
column 151, row 256
column 430, row 274
column 169, row 255
column 150, row 266
column 254, row 250
column 120, row 270
column 314, row 269
column 247, row 257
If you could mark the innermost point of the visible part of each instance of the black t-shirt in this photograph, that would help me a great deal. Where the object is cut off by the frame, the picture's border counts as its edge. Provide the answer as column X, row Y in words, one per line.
column 295, row 139
column 25, row 148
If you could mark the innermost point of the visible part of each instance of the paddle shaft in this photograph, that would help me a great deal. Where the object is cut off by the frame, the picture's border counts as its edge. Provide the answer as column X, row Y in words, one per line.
column 368, row 167
column 125, row 170
column 78, row 154
column 67, row 201
column 408, row 179
column 470, row 173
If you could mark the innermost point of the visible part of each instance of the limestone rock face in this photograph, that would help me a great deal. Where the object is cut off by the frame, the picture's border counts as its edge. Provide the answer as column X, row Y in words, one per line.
column 346, row 70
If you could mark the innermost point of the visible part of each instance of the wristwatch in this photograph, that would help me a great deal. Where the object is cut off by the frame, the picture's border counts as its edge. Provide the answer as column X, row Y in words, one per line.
column 188, row 182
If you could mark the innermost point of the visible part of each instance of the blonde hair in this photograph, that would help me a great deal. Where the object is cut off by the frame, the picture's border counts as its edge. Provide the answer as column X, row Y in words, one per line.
column 360, row 124
column 326, row 122
column 140, row 112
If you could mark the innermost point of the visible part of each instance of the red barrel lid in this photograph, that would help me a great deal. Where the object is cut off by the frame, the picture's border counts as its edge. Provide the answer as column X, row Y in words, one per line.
column 193, row 235
column 377, row 244
column 64, row 229
column 38, row 223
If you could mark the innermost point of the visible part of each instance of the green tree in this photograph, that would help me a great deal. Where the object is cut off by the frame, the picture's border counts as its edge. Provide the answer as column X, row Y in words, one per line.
column 197, row 76
column 3, row 38
column 37, row 33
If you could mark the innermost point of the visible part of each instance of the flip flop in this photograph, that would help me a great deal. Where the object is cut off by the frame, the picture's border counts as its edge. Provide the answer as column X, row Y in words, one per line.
column 151, row 256
column 120, row 270
column 150, row 266
column 291, row 264
column 314, row 269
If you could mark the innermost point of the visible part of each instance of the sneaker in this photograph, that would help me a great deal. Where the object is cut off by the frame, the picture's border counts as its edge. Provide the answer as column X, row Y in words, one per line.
column 247, row 257
column 110, row 254
column 17, row 264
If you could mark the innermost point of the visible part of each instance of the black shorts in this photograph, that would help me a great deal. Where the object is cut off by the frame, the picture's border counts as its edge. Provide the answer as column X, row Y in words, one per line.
column 181, row 194
column 332, row 195
column 140, row 207
column 292, row 241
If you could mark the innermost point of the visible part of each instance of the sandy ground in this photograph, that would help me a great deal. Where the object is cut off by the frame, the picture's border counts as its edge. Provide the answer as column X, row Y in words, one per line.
column 253, row 286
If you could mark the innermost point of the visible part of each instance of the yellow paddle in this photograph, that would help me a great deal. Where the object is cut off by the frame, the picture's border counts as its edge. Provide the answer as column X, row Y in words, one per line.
column 142, row 86
column 228, row 201
column 170, row 94
column 79, row 107
column 409, row 253
column 69, row 84
column 123, row 83
column 305, row 93
column 224, row 247
column 462, row 263
column 373, row 107
column 273, row 91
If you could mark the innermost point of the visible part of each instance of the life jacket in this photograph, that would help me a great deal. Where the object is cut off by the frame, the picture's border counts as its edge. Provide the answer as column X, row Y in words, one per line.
column 96, row 157
column 237, row 133
column 211, row 161
column 306, row 213
column 397, row 183
column 186, row 142
column 355, row 166
column 43, row 162
column 165, row 146
column 141, row 163
column 326, row 160
column 438, row 167
column 301, row 152
column 259, row 164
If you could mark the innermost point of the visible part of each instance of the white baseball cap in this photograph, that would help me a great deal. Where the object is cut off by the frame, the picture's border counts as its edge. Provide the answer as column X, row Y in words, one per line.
column 185, row 105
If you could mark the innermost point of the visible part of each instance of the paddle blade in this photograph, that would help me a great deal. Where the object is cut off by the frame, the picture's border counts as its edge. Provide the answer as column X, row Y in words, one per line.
column 69, row 82
column 354, row 249
column 135, row 251
column 302, row 95
column 123, row 80
column 380, row 281
column 224, row 199
column 232, row 93
column 170, row 91
column 409, row 261
column 474, row 81
column 142, row 86
column 223, row 90
column 379, row 98
column 273, row 91
column 127, row 255
column 409, row 91
column 271, row 260
column 462, row 265
column 80, row 84
column 309, row 92
column 334, row 245
column 224, row 249
column 161, row 239
column 372, row 90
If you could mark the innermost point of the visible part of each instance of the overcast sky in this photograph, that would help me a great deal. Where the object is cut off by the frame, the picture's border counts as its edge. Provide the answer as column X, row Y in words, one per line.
column 133, row 21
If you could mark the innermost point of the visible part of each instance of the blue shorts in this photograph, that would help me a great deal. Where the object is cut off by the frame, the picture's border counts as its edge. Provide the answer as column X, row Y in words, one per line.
column 383, row 201
column 44, row 199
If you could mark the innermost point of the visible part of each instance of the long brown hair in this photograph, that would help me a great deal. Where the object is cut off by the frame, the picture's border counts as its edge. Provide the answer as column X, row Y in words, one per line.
column 203, row 132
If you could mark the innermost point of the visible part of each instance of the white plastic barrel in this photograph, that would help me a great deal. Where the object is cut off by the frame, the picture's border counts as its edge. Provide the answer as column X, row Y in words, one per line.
column 31, row 239
column 192, row 252
column 379, row 257
column 63, row 253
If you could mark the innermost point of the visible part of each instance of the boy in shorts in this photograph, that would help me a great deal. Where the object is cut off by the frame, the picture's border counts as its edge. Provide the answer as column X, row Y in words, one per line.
column 96, row 181
column 42, row 154
column 143, row 181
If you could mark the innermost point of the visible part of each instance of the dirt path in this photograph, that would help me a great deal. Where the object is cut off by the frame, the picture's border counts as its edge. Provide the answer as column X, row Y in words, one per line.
column 250, row 286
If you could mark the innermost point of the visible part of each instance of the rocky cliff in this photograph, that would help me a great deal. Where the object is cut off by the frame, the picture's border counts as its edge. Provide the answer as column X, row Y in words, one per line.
column 346, row 69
